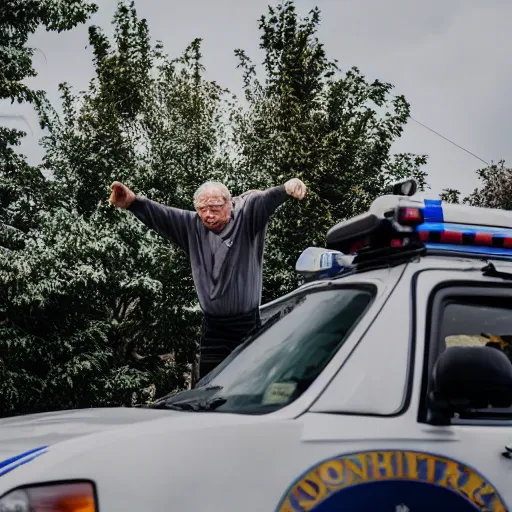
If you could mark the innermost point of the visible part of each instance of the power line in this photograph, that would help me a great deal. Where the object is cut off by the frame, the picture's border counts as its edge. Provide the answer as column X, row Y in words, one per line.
column 450, row 141
column 17, row 117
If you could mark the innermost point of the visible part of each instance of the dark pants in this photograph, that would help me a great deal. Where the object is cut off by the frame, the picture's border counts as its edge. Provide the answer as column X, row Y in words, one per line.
column 220, row 335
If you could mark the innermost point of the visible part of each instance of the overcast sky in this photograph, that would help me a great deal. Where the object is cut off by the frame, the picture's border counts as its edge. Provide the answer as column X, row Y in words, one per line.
column 450, row 58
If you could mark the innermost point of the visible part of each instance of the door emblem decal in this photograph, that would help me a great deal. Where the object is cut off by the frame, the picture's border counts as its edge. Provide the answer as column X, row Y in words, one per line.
column 381, row 480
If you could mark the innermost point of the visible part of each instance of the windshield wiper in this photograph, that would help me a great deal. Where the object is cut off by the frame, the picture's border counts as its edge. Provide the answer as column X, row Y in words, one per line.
column 198, row 399
column 193, row 405
column 187, row 395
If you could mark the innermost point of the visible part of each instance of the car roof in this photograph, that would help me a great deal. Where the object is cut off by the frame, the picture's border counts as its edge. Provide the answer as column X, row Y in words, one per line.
column 397, row 229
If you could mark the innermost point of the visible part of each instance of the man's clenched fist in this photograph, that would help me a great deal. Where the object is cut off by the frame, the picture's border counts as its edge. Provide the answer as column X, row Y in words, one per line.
column 295, row 188
column 121, row 195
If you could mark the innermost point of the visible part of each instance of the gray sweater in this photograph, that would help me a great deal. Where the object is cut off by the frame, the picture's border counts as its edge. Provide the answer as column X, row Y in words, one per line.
column 226, row 267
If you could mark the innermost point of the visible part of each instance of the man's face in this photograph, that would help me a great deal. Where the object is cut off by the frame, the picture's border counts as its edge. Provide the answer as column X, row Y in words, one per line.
column 213, row 210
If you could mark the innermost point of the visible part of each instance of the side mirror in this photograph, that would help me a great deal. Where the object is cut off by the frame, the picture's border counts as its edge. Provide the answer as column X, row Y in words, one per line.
column 465, row 378
column 315, row 263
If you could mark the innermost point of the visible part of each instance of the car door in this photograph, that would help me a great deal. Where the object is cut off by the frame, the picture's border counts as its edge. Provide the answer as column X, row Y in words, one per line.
column 366, row 428
column 471, row 310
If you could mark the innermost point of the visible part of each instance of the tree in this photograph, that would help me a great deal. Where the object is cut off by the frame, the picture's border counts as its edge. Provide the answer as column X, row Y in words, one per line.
column 22, row 186
column 98, row 310
column 494, row 192
column 450, row 195
column 112, row 303
column 496, row 189
column 335, row 131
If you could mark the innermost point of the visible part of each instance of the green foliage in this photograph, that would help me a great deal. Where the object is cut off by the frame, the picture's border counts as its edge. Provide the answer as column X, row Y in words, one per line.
column 22, row 187
column 19, row 19
column 88, row 315
column 332, row 130
column 97, row 310
column 450, row 195
column 124, row 297
column 495, row 190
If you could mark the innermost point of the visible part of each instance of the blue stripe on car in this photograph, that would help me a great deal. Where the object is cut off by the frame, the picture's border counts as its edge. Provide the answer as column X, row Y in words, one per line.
column 11, row 463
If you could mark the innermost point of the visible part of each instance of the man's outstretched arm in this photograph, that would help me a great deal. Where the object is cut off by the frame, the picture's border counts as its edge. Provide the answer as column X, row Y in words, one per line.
column 263, row 204
column 171, row 223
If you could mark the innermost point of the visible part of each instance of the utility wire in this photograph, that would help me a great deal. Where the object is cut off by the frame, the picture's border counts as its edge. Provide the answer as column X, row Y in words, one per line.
column 17, row 117
column 450, row 141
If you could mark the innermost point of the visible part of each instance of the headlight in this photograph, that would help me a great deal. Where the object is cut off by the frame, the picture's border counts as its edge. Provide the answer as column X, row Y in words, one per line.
column 62, row 497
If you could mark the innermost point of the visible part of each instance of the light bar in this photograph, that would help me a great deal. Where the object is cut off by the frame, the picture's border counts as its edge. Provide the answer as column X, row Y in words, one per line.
column 435, row 210
column 371, row 230
column 469, row 229
column 401, row 222
column 482, row 240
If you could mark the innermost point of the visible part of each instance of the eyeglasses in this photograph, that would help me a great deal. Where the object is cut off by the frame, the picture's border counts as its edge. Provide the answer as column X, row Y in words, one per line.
column 214, row 208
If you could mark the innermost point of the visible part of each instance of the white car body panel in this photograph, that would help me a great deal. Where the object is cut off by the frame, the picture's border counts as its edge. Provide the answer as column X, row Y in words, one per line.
column 366, row 399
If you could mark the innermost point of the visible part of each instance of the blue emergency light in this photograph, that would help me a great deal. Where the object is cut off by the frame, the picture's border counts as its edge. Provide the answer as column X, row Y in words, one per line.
column 401, row 222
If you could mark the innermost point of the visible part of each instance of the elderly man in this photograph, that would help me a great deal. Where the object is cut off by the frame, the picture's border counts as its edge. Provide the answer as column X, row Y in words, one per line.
column 224, row 239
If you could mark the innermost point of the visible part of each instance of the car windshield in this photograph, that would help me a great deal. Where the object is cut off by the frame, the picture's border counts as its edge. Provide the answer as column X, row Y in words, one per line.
column 281, row 362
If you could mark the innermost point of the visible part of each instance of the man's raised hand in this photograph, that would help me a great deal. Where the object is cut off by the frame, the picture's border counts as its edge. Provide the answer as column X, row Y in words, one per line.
column 121, row 195
column 295, row 188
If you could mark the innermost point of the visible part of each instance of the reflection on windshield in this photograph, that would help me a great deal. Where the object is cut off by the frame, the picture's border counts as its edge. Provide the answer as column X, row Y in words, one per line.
column 268, row 318
column 284, row 360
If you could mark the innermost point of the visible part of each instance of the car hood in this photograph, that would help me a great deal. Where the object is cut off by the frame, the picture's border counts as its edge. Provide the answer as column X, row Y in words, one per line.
column 112, row 445
column 22, row 434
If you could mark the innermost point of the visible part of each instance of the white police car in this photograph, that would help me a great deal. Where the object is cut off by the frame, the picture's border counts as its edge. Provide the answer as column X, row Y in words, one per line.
column 383, row 383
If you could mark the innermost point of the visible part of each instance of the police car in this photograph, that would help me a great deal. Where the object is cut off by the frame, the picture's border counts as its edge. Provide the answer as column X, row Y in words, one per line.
column 384, row 382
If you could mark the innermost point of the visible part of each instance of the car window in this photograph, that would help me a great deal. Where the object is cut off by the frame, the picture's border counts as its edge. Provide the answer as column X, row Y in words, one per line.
column 477, row 322
column 466, row 316
column 286, row 358
column 278, row 309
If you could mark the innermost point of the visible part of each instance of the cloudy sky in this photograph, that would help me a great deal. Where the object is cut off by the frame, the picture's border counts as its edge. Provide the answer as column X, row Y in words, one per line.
column 448, row 57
